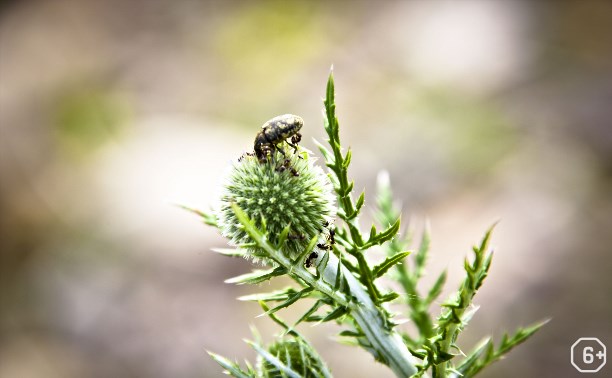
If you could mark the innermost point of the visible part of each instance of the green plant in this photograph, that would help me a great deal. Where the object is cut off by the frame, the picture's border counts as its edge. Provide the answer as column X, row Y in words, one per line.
column 279, row 211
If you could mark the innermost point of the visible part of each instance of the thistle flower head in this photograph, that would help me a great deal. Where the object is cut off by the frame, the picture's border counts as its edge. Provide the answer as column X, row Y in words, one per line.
column 281, row 190
column 296, row 354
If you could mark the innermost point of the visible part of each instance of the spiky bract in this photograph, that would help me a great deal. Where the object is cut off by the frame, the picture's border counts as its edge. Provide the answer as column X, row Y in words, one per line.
column 296, row 355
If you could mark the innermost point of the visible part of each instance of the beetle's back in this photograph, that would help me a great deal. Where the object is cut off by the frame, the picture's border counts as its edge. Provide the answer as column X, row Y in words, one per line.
column 282, row 127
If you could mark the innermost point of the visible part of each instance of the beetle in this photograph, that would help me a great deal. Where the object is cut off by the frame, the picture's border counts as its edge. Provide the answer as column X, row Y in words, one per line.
column 276, row 131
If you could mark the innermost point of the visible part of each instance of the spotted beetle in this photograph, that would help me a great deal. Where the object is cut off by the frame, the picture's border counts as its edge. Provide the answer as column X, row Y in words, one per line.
column 276, row 131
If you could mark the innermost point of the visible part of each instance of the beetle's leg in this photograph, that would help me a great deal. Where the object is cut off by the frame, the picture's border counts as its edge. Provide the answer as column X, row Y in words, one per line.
column 283, row 167
column 294, row 141
column 262, row 153
column 275, row 147
column 295, row 147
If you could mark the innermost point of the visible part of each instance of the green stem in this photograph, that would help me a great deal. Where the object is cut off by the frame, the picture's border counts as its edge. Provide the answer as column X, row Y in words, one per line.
column 441, row 371
column 387, row 345
column 370, row 319
column 451, row 321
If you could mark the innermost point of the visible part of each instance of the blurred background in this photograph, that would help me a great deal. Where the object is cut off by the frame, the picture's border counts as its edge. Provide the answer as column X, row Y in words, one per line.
column 112, row 112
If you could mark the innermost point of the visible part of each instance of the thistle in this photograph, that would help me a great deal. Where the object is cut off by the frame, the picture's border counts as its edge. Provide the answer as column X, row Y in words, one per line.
column 285, row 189
column 278, row 208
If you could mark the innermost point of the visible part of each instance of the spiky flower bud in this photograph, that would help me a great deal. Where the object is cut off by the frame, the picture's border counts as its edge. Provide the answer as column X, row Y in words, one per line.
column 275, row 192
column 296, row 355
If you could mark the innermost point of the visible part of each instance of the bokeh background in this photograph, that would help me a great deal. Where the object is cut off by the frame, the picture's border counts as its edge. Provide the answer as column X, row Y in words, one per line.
column 112, row 112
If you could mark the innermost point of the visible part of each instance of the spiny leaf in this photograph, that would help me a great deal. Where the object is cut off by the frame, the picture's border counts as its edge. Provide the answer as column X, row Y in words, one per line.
column 329, row 97
column 472, row 365
column 277, row 320
column 291, row 300
column 372, row 233
column 347, row 159
column 386, row 235
column 247, row 245
column 485, row 270
column 472, row 358
column 302, row 257
column 274, row 361
column 311, row 311
column 232, row 252
column 484, row 244
column 327, row 155
column 277, row 295
column 335, row 314
column 250, row 367
column 468, row 314
column 322, row 264
column 382, row 268
column 348, row 189
column 208, row 218
column 388, row 297
column 264, row 223
column 257, row 276
column 232, row 368
column 452, row 321
column 282, row 238
column 243, row 218
column 349, row 333
column 360, row 202
column 520, row 336
column 338, row 283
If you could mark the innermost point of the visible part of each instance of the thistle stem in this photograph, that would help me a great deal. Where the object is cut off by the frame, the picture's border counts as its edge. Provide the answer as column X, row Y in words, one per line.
column 386, row 343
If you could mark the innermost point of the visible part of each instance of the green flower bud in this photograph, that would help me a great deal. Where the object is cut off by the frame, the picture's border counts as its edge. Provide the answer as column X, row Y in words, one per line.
column 298, row 356
column 276, row 192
